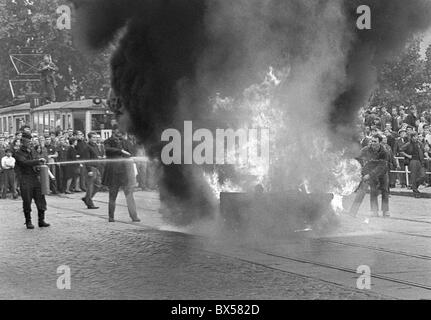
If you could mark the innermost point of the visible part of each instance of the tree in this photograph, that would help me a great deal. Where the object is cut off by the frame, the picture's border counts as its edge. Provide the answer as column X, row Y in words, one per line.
column 31, row 25
column 403, row 80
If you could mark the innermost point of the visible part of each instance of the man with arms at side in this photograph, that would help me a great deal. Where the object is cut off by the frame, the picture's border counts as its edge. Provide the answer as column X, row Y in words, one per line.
column 30, row 181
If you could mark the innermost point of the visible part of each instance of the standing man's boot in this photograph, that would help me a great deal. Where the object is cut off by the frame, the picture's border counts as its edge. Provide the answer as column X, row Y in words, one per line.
column 28, row 223
column 111, row 217
column 111, row 210
column 42, row 223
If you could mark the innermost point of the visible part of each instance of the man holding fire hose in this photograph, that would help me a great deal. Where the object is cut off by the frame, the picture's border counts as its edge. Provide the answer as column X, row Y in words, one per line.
column 30, row 184
column 119, row 174
column 375, row 173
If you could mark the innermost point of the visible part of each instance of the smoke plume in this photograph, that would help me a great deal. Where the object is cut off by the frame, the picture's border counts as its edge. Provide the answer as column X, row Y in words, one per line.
column 175, row 54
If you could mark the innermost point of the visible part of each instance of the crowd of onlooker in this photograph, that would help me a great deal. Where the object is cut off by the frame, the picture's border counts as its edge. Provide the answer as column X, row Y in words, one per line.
column 63, row 151
column 398, row 127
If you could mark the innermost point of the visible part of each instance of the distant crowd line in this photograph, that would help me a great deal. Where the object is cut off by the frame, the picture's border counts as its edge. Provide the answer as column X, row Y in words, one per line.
column 56, row 148
column 403, row 131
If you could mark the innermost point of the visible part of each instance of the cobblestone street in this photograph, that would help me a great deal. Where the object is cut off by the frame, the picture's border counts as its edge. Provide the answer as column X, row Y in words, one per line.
column 134, row 261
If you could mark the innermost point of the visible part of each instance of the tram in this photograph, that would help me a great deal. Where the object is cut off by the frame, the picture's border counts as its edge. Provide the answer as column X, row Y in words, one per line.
column 84, row 115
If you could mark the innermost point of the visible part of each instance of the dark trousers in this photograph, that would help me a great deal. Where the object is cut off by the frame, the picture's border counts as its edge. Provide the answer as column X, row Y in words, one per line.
column 392, row 178
column 428, row 169
column 402, row 176
column 1, row 180
column 131, row 205
column 60, row 177
column 93, row 185
column 82, row 178
column 417, row 174
column 53, row 182
column 376, row 186
column 9, row 183
column 31, row 190
column 141, row 178
column 48, row 90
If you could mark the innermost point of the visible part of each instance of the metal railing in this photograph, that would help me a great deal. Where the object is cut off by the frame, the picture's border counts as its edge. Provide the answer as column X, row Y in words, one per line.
column 406, row 170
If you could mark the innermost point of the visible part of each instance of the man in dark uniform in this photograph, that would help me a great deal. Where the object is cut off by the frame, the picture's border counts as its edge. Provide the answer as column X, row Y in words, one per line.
column 374, row 160
column 93, row 179
column 30, row 185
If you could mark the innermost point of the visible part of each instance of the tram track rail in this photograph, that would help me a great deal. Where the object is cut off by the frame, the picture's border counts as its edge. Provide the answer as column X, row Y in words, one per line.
column 345, row 269
column 375, row 248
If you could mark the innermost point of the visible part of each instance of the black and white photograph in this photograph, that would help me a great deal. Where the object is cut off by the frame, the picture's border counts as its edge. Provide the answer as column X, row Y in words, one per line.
column 215, row 154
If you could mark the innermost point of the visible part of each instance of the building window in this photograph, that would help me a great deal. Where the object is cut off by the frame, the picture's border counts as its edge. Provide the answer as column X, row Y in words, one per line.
column 69, row 121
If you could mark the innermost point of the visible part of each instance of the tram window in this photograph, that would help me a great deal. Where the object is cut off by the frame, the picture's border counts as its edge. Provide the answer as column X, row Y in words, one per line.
column 10, row 125
column 69, row 121
column 36, row 121
column 33, row 122
column 79, row 121
column 101, row 122
column 57, row 121
column 51, row 121
column 40, row 123
column 46, row 120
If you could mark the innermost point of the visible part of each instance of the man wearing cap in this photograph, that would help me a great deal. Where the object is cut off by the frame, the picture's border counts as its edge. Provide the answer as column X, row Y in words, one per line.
column 25, row 128
column 30, row 186
column 10, row 140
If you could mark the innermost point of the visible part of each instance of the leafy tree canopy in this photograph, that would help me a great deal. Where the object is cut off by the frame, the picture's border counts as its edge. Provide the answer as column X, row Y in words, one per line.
column 406, row 80
column 30, row 26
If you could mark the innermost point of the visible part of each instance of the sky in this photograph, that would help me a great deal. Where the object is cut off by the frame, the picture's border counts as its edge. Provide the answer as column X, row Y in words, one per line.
column 426, row 43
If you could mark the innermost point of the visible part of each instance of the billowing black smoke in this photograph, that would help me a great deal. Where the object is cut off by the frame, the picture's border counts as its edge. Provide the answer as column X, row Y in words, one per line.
column 393, row 23
column 175, row 54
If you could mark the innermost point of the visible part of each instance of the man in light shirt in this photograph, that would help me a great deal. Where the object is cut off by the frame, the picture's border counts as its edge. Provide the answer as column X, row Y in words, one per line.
column 8, row 166
column 427, row 134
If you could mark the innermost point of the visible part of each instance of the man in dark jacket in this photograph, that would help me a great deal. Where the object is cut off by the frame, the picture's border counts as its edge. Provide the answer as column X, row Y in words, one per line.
column 414, row 152
column 120, row 173
column 375, row 173
column 30, row 186
column 60, row 171
column 412, row 117
column 93, row 180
